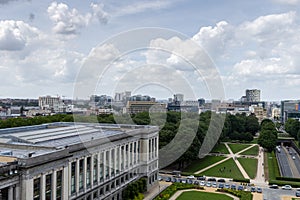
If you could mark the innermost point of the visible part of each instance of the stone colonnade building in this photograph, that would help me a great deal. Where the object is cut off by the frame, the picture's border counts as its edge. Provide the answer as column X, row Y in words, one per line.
column 62, row 161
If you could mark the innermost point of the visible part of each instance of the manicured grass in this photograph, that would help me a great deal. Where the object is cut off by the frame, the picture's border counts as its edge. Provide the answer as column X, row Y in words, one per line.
column 250, row 166
column 202, row 195
column 220, row 148
column 252, row 151
column 227, row 169
column 202, row 163
column 237, row 147
column 272, row 166
column 254, row 141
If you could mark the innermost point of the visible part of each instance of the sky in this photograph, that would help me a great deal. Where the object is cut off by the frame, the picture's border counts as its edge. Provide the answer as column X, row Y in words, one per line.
column 203, row 49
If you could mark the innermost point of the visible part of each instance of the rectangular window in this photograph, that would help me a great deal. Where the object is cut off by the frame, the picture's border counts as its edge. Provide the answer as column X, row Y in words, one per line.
column 117, row 160
column 81, row 162
column 130, row 154
column 95, row 170
column 134, row 153
column 88, row 171
column 126, row 156
column 101, row 174
column 58, row 184
column 48, row 187
column 73, row 177
column 36, row 188
column 112, row 166
column 107, row 164
column 122, row 158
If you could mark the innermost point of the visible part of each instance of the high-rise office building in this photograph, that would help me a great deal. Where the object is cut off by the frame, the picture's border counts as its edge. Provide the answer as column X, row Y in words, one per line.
column 253, row 95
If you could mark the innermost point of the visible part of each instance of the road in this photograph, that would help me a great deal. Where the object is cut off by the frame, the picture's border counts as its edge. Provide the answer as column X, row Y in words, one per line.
column 288, row 166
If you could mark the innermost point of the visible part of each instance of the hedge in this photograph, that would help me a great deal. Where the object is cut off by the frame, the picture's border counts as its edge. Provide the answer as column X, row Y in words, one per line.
column 172, row 189
column 243, row 180
column 280, row 178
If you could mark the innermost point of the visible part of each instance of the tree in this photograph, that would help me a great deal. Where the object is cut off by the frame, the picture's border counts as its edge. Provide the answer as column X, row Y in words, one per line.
column 252, row 125
column 292, row 126
column 298, row 137
column 267, row 139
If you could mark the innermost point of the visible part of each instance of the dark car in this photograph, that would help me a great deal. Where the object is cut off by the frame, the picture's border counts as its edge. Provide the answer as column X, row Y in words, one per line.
column 240, row 187
column 297, row 193
column 233, row 187
column 189, row 181
column 274, row 186
column 201, row 178
column 259, row 190
column 168, row 179
column 221, row 180
column 196, row 183
column 221, row 185
column 253, row 189
column 211, row 179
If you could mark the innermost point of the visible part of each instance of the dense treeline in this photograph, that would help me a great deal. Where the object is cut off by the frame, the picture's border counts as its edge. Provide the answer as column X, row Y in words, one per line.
column 292, row 126
column 134, row 190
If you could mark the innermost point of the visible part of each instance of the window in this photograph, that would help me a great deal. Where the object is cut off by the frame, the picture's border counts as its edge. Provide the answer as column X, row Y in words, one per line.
column 88, row 171
column 95, row 170
column 36, row 188
column 117, row 160
column 73, row 177
column 101, row 166
column 112, row 164
column 107, row 164
column 48, row 187
column 58, row 184
column 81, row 162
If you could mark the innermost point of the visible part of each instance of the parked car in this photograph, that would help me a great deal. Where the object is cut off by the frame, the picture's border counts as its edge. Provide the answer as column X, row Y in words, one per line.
column 253, row 189
column 240, row 187
column 201, row 178
column 160, row 178
column 191, row 177
column 227, row 186
column 293, row 157
column 168, row 179
column 297, row 193
column 174, row 180
column 196, row 183
column 221, row 180
column 214, row 185
column 202, row 183
column 286, row 187
column 259, row 190
column 274, row 186
column 189, row 181
column 212, row 179
column 221, row 185
column 208, row 184
column 233, row 187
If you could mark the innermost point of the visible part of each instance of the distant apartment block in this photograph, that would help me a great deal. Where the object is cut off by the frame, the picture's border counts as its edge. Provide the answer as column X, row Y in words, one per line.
column 253, row 95
column 86, row 161
column 51, row 103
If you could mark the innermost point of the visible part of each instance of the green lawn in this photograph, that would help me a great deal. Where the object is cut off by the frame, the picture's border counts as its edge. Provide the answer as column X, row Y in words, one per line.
column 254, row 141
column 272, row 166
column 250, row 166
column 220, row 148
column 237, row 147
column 227, row 169
column 202, row 195
column 252, row 151
column 202, row 163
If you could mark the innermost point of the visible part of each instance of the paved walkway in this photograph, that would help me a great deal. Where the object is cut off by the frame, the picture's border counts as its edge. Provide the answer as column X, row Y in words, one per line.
column 155, row 190
column 178, row 193
column 260, row 177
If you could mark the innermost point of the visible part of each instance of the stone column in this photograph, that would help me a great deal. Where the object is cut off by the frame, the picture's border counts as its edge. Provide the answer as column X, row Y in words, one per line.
column 10, row 193
column 66, row 183
column 53, row 186
column 17, row 192
column 43, row 187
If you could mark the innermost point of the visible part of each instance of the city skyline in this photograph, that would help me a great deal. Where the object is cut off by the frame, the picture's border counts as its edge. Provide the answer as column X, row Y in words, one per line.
column 44, row 44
